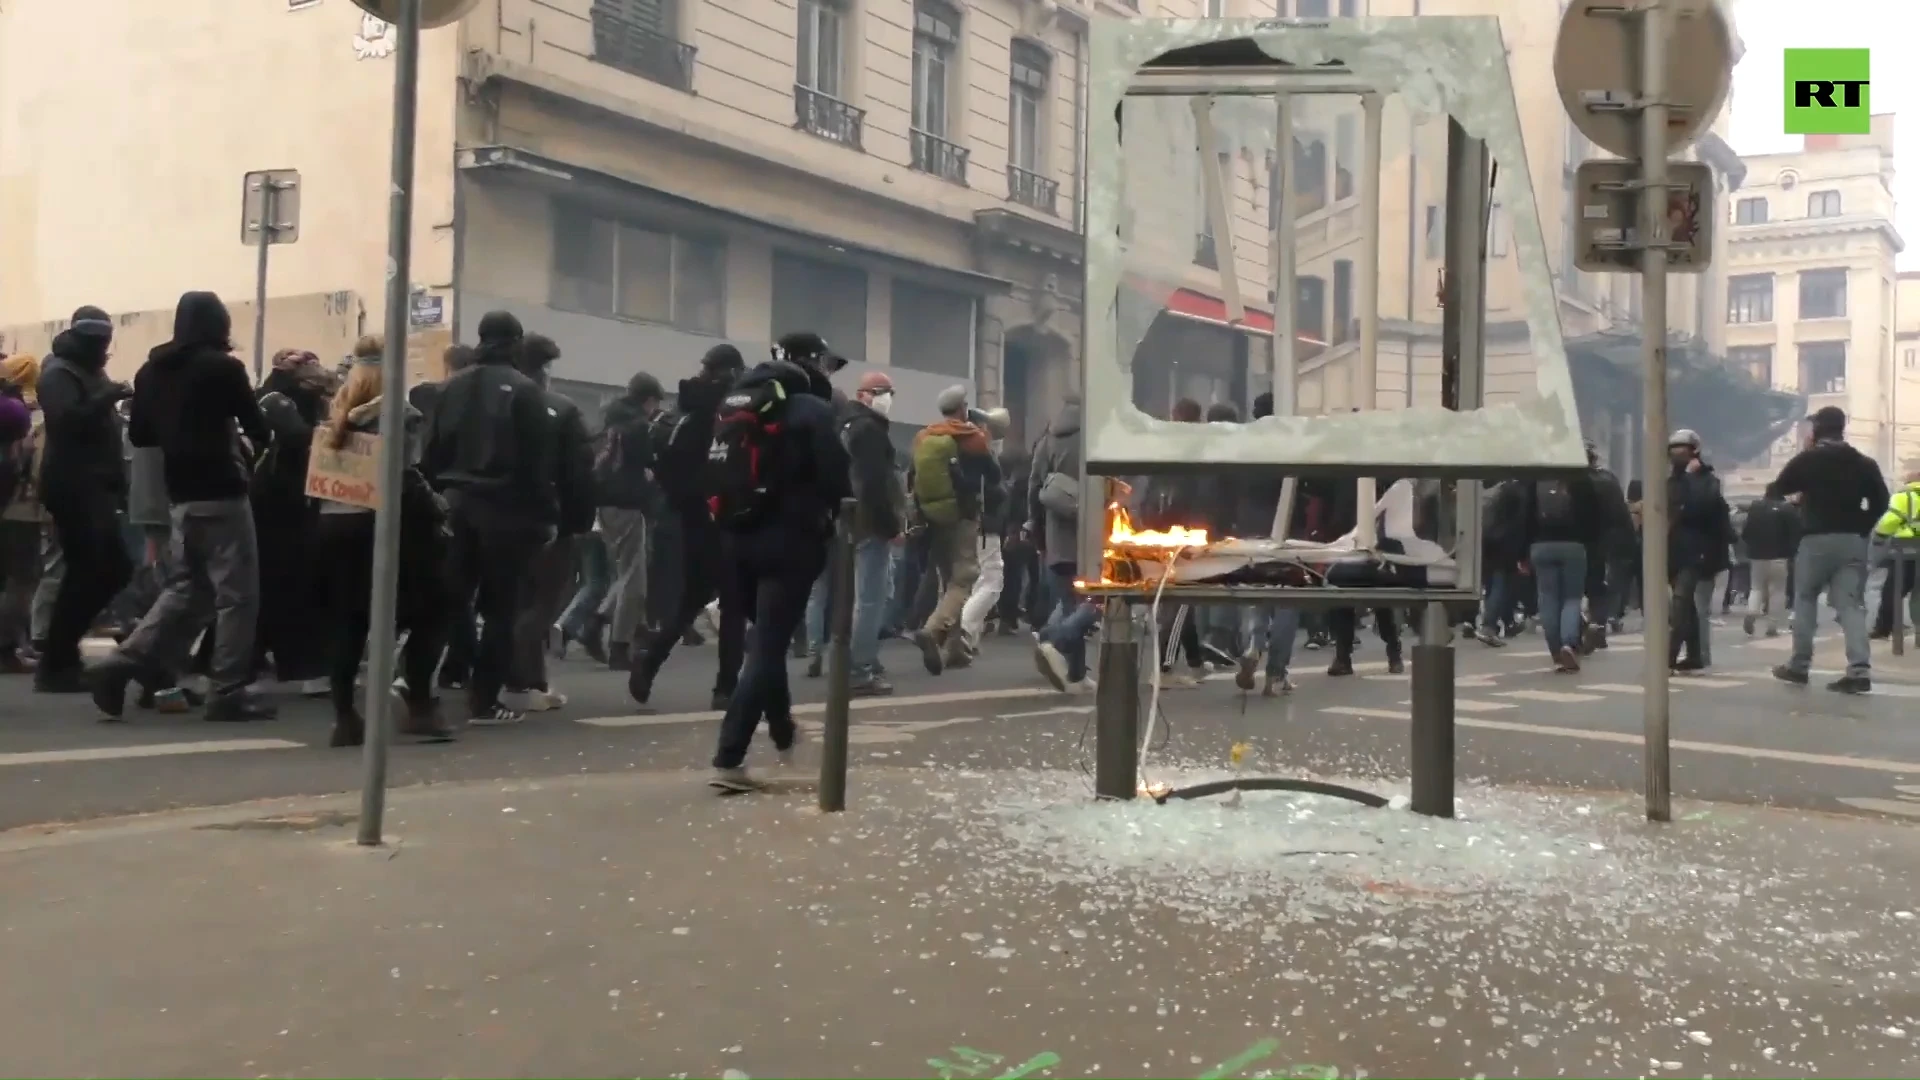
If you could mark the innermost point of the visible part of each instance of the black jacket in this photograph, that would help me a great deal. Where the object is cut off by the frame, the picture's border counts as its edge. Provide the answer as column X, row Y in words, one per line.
column 1616, row 536
column 1700, row 532
column 681, row 439
column 1772, row 530
column 490, row 440
column 193, row 400
column 811, row 472
column 1582, row 528
column 83, row 446
column 625, row 480
column 291, row 411
column 572, row 455
column 1840, row 488
column 875, row 472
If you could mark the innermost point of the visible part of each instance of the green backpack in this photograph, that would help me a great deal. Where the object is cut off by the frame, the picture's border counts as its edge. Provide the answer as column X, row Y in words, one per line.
column 935, row 457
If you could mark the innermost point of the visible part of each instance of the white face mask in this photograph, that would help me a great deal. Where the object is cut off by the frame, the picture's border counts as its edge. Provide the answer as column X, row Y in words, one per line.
column 882, row 403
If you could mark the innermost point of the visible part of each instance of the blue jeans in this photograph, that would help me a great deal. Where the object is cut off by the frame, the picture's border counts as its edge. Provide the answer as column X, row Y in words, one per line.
column 872, row 588
column 1069, row 635
column 595, row 578
column 1497, row 611
column 1560, row 576
column 814, row 630
column 1273, row 630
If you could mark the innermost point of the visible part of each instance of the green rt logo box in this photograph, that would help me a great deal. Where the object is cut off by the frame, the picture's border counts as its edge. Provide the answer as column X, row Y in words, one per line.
column 1827, row 92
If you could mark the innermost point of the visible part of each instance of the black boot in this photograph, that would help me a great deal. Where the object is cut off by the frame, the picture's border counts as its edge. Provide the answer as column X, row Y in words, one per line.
column 238, row 706
column 424, row 720
column 1342, row 664
column 639, row 683
column 349, row 729
column 1395, row 666
column 619, row 656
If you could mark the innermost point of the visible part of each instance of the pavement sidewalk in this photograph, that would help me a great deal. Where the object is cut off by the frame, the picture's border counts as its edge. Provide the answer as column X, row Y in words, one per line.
column 955, row 924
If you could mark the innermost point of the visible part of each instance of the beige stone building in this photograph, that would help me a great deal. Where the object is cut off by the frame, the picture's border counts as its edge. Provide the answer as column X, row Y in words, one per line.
column 1811, row 295
column 643, row 178
column 1906, row 375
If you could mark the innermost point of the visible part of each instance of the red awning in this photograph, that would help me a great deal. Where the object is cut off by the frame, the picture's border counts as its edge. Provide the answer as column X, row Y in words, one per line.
column 1198, row 305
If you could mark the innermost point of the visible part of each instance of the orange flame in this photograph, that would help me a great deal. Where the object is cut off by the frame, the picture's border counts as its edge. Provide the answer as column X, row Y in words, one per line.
column 1122, row 535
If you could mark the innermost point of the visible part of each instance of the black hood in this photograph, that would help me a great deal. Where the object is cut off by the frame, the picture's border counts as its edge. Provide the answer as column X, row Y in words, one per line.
column 200, row 323
column 795, row 378
column 703, row 393
column 84, row 342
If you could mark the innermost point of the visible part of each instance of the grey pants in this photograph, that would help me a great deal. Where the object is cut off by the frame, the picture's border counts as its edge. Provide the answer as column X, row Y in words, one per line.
column 53, row 569
column 1834, row 563
column 214, row 571
column 626, row 604
column 548, row 588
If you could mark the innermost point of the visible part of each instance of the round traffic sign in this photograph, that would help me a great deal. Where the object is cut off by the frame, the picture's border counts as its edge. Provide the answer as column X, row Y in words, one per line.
column 1595, row 63
column 433, row 13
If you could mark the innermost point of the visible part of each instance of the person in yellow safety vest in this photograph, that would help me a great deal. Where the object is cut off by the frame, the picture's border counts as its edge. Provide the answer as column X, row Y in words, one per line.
column 1900, row 524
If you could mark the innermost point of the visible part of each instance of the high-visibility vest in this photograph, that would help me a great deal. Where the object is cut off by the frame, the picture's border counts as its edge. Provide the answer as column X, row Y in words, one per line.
column 1902, row 519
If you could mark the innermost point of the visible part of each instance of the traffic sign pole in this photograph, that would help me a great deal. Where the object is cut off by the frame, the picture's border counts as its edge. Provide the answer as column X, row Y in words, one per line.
column 1656, row 593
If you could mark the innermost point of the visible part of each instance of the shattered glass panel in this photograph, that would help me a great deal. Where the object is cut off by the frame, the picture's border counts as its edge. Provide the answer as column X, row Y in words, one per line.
column 1182, row 312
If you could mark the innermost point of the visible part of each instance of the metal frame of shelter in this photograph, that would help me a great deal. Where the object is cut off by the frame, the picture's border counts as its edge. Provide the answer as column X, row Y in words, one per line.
column 1446, row 64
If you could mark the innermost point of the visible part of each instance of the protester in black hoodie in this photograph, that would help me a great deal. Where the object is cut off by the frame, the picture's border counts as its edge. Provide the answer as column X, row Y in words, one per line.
column 83, row 486
column 776, row 507
column 683, row 536
column 1842, row 495
column 193, row 400
column 489, row 450
column 629, row 509
column 293, row 399
column 1699, row 546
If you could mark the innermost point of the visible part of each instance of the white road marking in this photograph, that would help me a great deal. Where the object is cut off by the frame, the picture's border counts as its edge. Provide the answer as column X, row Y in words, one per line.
column 1555, row 697
column 1614, row 687
column 1760, row 753
column 149, row 750
column 1707, row 681
column 1064, row 710
column 1470, row 705
column 815, row 707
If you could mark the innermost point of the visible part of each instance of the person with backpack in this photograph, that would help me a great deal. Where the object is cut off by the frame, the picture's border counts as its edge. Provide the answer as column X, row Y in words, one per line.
column 488, row 450
column 550, row 573
column 629, row 497
column 293, row 400
column 1699, row 546
column 1771, row 533
column 1606, row 553
column 684, row 540
column 779, row 473
column 1561, row 516
column 953, row 467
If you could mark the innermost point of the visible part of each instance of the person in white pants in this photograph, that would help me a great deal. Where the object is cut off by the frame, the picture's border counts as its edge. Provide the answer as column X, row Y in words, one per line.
column 986, row 591
column 1767, row 595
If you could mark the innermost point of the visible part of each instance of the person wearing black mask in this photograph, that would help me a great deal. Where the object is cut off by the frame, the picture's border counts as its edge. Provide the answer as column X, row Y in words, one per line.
column 780, row 473
column 685, row 541
column 193, row 400
column 293, row 399
column 83, row 486
column 489, row 450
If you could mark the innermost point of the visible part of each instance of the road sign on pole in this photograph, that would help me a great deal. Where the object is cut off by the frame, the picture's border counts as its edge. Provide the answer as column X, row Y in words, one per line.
column 1606, row 223
column 269, row 215
column 1643, row 78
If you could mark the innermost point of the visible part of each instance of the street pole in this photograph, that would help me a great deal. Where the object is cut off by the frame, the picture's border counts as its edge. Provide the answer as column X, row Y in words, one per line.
column 837, row 720
column 393, row 440
column 269, row 194
column 1658, row 594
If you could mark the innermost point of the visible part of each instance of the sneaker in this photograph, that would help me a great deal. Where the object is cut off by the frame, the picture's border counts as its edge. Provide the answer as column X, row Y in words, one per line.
column 349, row 729
column 1851, row 684
column 173, row 701
column 734, row 779
column 1747, row 625
column 423, row 720
column 1243, row 676
column 1052, row 664
column 814, row 665
column 720, row 701
column 1395, row 665
column 785, row 757
column 110, row 680
column 496, row 716
column 1277, row 686
column 532, row 700
column 1342, row 665
column 1788, row 675
column 1773, row 631
column 1568, row 660
column 315, row 688
column 1485, row 635
column 1086, row 685
column 1182, row 680
column 929, row 645
column 871, row 686
column 237, row 707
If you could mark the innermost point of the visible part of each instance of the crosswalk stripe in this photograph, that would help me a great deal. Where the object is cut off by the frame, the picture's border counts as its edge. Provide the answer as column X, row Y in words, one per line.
column 1471, row 705
column 1702, row 680
column 1551, row 696
column 807, row 708
column 1614, row 687
column 149, row 750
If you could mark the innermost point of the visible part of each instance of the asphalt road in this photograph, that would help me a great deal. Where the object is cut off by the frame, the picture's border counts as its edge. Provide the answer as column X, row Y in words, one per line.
column 1740, row 737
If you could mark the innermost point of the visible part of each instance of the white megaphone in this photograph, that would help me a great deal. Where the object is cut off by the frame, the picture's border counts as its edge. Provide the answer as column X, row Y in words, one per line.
column 432, row 12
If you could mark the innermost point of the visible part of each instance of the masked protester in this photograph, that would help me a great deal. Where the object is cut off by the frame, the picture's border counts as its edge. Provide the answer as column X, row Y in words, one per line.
column 83, row 485
column 293, row 400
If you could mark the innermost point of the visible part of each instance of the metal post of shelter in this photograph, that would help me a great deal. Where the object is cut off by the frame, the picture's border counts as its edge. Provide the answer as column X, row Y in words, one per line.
column 837, row 720
column 393, row 444
column 1432, row 695
column 1116, row 761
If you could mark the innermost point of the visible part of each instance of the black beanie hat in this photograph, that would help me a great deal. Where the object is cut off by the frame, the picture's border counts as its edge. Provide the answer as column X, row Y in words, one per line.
column 500, row 327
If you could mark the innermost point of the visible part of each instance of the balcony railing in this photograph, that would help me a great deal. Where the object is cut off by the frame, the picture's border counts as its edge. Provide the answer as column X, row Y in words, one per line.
column 1032, row 189
column 638, row 50
column 827, row 116
column 1205, row 252
column 936, row 156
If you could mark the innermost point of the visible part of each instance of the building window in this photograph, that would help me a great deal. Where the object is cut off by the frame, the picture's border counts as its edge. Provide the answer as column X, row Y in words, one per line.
column 639, row 38
column 1823, row 367
column 626, row 271
column 1823, row 294
column 1499, row 232
column 826, row 298
column 1310, row 308
column 1436, row 234
column 1750, row 298
column 1755, row 360
column 936, row 36
column 1346, row 151
column 942, row 326
column 1205, row 246
column 1028, row 86
column 821, row 40
column 1823, row 204
column 1750, row 212
column 1309, row 174
column 1343, row 328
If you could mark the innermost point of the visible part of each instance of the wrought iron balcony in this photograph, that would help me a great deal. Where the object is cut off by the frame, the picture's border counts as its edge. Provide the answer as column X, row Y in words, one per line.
column 1032, row 189
column 827, row 116
column 935, row 155
column 637, row 50
column 1205, row 252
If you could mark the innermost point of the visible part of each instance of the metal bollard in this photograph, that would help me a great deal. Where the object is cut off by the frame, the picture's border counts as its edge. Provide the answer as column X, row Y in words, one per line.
column 1433, row 731
column 1116, row 755
column 833, row 740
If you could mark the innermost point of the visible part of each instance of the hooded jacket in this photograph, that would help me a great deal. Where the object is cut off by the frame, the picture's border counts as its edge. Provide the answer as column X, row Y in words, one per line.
column 681, row 440
column 1841, row 489
column 193, row 400
column 1700, row 536
column 1772, row 530
column 291, row 408
column 572, row 455
column 876, row 476
column 81, row 448
column 489, row 440
column 1058, row 451
column 810, row 471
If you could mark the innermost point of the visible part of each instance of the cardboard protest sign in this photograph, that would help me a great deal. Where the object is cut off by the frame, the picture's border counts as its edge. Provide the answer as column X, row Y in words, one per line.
column 348, row 475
